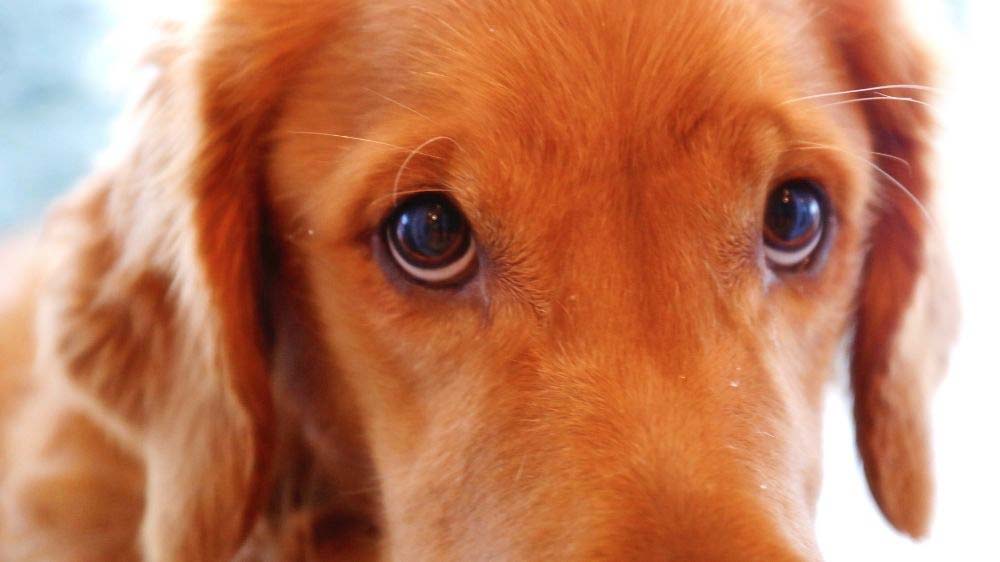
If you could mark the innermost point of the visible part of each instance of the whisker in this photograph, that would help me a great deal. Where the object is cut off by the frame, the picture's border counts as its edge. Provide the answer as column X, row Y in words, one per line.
column 902, row 161
column 409, row 157
column 408, row 192
column 898, row 184
column 893, row 157
column 881, row 97
column 909, row 195
column 398, row 103
column 296, row 236
column 361, row 139
column 918, row 87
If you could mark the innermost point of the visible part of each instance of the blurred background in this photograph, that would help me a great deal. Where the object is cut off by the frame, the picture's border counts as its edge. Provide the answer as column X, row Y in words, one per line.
column 62, row 81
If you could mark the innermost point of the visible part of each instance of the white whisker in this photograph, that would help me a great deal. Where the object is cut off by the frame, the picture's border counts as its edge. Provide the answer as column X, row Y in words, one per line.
column 360, row 139
column 909, row 194
column 917, row 87
column 880, row 97
column 409, row 157
column 898, row 184
column 398, row 103
column 893, row 157
column 902, row 161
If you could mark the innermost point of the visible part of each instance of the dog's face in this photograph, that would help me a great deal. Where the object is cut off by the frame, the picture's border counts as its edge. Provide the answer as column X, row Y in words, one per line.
column 584, row 270
column 544, row 279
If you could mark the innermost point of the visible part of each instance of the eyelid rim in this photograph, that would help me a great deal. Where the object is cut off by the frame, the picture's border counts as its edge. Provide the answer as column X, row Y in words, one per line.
column 436, row 277
column 792, row 260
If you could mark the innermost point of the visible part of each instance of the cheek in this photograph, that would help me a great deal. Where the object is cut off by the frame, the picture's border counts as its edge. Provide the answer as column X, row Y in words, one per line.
column 401, row 353
column 799, row 341
column 806, row 316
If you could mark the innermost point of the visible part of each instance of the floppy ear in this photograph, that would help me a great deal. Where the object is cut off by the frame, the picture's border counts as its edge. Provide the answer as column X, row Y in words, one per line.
column 154, row 306
column 907, row 311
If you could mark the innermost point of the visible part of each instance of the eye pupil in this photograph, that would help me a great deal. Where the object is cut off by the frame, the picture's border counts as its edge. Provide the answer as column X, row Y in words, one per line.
column 793, row 215
column 793, row 223
column 430, row 233
column 430, row 239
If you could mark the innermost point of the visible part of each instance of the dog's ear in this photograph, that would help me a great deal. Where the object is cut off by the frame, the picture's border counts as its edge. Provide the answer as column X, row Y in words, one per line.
column 154, row 301
column 907, row 312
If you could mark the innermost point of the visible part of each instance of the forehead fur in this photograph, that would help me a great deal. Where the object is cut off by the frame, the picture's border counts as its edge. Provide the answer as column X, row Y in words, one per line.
column 591, row 72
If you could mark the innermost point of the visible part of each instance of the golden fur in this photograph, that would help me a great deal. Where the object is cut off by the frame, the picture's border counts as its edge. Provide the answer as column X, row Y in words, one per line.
column 206, row 357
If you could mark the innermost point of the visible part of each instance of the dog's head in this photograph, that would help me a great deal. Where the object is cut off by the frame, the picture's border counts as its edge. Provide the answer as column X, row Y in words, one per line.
column 552, row 280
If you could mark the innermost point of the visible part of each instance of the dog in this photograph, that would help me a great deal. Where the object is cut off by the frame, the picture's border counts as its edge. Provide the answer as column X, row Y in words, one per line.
column 493, row 280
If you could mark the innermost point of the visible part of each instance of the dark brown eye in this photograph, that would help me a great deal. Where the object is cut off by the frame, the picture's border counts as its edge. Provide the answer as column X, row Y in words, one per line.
column 430, row 240
column 794, row 221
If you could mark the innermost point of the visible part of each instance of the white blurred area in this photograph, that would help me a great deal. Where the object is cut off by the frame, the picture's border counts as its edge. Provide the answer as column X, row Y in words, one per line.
column 967, row 407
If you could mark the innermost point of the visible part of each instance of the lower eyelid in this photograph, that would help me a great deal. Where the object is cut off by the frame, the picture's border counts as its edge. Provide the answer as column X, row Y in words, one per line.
column 442, row 275
column 792, row 259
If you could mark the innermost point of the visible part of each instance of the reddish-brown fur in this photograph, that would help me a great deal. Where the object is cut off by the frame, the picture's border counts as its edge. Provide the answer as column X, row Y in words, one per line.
column 225, row 365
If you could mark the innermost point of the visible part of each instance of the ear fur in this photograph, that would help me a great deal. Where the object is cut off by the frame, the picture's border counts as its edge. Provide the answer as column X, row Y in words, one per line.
column 153, row 303
column 906, row 318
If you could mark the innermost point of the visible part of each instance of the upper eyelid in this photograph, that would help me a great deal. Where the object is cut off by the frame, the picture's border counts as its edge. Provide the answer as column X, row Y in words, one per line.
column 387, row 202
column 436, row 180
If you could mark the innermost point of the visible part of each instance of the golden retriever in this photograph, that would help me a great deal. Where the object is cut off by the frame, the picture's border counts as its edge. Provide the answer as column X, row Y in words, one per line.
column 483, row 280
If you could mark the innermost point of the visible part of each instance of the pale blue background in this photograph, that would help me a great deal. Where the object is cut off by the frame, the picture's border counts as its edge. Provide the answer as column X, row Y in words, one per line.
column 55, row 108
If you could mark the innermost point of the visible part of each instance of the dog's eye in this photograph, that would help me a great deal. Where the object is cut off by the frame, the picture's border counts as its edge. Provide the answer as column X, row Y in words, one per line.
column 793, row 224
column 430, row 240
